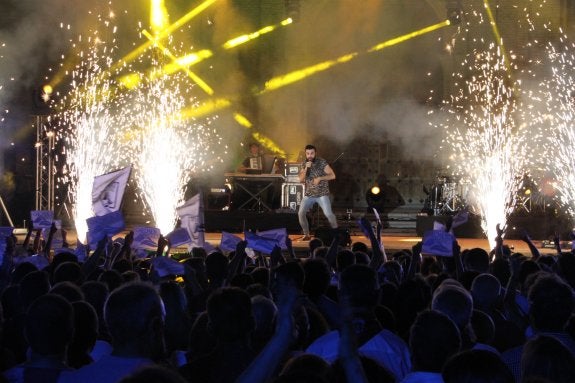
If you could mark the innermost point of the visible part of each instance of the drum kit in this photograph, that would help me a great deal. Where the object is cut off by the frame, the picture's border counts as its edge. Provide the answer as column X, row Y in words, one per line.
column 446, row 196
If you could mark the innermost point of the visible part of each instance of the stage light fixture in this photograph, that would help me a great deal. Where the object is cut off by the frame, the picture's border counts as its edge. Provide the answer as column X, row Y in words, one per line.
column 374, row 198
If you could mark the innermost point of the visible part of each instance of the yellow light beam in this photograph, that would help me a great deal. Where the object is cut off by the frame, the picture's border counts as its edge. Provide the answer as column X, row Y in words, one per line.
column 236, row 41
column 242, row 120
column 497, row 35
column 268, row 143
column 408, row 36
column 164, row 33
column 154, row 74
column 213, row 106
column 290, row 78
column 187, row 60
column 196, row 57
column 159, row 18
column 209, row 107
column 281, row 81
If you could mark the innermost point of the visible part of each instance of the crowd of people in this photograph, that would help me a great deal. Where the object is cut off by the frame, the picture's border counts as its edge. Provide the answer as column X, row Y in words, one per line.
column 339, row 314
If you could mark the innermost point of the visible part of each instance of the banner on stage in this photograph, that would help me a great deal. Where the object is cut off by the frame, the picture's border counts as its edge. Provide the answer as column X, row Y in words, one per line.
column 191, row 215
column 108, row 191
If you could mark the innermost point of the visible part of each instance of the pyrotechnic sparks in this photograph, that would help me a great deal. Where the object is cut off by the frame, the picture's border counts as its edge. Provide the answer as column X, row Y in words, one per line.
column 87, row 127
column 104, row 126
column 3, row 111
column 170, row 149
column 558, row 94
column 488, row 148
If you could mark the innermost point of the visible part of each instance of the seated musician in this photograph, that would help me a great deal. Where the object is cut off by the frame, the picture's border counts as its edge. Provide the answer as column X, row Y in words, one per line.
column 258, row 163
column 253, row 163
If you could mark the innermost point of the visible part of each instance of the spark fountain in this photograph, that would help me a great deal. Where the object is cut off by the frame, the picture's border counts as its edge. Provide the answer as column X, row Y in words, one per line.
column 88, row 125
column 558, row 95
column 170, row 149
column 486, row 147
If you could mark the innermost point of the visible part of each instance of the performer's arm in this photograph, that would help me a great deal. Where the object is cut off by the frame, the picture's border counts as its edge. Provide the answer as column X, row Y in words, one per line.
column 301, row 174
column 329, row 175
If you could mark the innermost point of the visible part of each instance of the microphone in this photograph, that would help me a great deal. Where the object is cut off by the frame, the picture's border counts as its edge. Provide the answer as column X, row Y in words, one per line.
column 308, row 170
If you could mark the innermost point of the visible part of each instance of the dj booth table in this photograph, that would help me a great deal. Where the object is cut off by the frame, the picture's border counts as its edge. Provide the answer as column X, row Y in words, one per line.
column 259, row 190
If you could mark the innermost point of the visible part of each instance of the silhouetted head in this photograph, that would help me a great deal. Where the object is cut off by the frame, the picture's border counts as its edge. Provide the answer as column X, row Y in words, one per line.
column 134, row 315
column 230, row 316
column 546, row 357
column 49, row 325
column 476, row 366
column 551, row 303
column 433, row 339
column 359, row 283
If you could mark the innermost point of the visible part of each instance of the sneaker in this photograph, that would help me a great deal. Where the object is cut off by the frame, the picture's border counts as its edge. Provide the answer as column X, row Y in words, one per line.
column 306, row 237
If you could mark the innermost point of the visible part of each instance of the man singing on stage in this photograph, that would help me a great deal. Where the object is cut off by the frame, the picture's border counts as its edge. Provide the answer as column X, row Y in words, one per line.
column 316, row 173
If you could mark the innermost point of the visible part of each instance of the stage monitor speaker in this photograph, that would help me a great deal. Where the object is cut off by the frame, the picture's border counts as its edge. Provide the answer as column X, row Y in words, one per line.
column 292, row 194
column 326, row 234
column 218, row 201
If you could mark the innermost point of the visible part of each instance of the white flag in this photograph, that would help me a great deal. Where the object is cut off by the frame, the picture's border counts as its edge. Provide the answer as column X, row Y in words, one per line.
column 191, row 215
column 108, row 190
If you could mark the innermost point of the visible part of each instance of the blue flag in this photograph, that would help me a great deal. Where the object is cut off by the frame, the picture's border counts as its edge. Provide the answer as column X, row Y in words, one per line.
column 42, row 219
column 102, row 226
column 438, row 242
column 167, row 266
column 229, row 241
column 179, row 237
column 261, row 244
column 278, row 235
column 146, row 238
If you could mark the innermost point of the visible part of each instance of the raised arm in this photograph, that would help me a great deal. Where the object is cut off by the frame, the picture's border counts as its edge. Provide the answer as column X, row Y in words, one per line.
column 378, row 254
column 459, row 269
column 348, row 355
column 499, row 242
column 92, row 262
column 48, row 246
column 264, row 365
column 527, row 239
column 557, row 243
column 28, row 236
column 236, row 266
column 331, row 255
column 415, row 263
column 290, row 250
column 276, row 257
column 512, row 310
